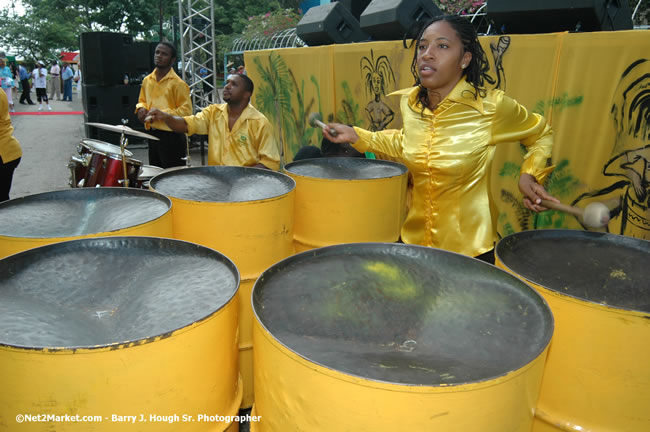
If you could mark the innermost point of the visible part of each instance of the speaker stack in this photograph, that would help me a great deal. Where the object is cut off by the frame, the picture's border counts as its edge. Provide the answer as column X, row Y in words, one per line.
column 327, row 24
column 347, row 21
column 530, row 16
column 113, row 66
column 393, row 19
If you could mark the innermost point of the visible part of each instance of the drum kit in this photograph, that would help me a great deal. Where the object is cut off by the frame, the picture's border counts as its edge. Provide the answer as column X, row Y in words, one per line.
column 99, row 163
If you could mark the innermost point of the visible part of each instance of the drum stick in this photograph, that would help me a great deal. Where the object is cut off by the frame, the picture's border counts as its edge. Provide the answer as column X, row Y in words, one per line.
column 315, row 120
column 595, row 215
column 576, row 211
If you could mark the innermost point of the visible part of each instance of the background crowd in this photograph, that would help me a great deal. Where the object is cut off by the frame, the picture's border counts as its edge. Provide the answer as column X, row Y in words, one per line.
column 50, row 82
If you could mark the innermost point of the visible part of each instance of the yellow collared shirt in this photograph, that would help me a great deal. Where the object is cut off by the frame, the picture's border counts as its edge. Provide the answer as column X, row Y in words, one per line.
column 171, row 95
column 9, row 146
column 251, row 140
column 448, row 152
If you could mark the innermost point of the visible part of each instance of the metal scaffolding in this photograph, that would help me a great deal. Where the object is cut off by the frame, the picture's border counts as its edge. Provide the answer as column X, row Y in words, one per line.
column 198, row 48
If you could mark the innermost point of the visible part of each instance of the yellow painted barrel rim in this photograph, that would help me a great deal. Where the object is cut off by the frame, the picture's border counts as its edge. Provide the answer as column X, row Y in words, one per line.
column 351, row 164
column 151, row 242
column 567, row 296
column 85, row 194
column 363, row 380
column 225, row 171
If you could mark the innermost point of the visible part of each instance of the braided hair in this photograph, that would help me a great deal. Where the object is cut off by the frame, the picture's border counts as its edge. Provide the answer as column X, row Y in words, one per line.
column 476, row 73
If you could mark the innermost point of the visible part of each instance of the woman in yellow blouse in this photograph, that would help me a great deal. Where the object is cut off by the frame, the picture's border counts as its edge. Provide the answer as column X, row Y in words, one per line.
column 10, row 151
column 451, row 126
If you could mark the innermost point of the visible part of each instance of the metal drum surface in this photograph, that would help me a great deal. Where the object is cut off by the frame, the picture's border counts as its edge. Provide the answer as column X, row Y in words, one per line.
column 244, row 213
column 50, row 217
column 128, row 326
column 388, row 337
column 597, row 375
column 347, row 200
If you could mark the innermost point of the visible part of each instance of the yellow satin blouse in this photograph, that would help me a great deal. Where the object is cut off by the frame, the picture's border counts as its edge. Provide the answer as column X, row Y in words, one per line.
column 9, row 146
column 448, row 153
column 251, row 140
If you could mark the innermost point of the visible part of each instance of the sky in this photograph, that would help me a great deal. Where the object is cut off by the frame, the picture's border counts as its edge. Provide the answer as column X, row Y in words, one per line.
column 17, row 3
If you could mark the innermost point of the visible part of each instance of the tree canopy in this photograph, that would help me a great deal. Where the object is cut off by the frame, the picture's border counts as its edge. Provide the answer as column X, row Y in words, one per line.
column 50, row 26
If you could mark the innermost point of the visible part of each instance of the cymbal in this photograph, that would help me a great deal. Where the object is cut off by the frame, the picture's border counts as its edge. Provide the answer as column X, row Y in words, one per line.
column 123, row 129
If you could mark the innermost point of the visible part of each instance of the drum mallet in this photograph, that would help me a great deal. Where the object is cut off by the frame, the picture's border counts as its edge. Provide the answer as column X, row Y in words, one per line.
column 315, row 120
column 594, row 215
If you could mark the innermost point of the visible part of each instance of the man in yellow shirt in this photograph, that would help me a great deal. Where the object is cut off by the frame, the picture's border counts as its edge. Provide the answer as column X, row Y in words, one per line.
column 238, row 134
column 165, row 91
column 10, row 151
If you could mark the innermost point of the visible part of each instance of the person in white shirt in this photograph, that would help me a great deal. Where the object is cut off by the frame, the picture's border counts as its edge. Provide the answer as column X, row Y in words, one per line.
column 40, row 84
column 55, row 81
column 77, row 79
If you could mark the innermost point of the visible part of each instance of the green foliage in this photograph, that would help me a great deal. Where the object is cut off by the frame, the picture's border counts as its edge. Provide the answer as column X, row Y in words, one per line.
column 264, row 25
column 460, row 7
column 50, row 26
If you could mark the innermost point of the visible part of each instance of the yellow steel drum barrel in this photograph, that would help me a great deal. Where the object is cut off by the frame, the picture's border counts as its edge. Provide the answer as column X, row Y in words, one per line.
column 244, row 213
column 50, row 217
column 127, row 326
column 391, row 337
column 597, row 375
column 347, row 200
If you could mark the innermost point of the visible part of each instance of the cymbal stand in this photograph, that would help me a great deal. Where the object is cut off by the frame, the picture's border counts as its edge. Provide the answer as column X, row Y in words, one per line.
column 187, row 158
column 124, row 141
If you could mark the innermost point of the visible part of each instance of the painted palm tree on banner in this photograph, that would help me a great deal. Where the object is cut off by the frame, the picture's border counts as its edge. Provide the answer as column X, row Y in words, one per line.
column 275, row 98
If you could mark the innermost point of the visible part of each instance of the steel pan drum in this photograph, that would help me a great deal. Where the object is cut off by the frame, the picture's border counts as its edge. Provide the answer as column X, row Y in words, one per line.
column 244, row 213
column 138, row 326
column 50, row 217
column 597, row 375
column 390, row 337
column 347, row 200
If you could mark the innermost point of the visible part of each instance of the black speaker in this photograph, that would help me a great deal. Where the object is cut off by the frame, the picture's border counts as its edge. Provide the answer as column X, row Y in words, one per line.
column 329, row 24
column 141, row 60
column 391, row 19
column 356, row 7
column 548, row 16
column 105, row 57
column 110, row 105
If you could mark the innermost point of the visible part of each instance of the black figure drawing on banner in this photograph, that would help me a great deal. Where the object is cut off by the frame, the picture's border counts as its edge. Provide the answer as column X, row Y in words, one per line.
column 498, row 52
column 377, row 74
column 630, row 155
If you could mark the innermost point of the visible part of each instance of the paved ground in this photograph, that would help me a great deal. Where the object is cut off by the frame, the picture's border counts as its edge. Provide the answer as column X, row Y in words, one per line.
column 49, row 140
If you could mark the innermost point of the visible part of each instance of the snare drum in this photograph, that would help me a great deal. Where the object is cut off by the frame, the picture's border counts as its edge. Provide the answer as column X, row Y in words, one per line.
column 147, row 172
column 100, row 164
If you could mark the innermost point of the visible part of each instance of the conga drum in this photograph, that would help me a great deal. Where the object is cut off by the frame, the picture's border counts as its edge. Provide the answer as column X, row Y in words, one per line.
column 390, row 337
column 347, row 200
column 244, row 213
column 597, row 375
column 51, row 217
column 119, row 333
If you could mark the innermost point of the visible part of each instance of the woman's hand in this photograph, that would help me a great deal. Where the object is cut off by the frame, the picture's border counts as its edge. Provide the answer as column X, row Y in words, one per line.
column 534, row 193
column 344, row 134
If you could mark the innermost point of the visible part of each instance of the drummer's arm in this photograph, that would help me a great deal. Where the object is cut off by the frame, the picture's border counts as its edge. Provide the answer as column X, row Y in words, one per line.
column 175, row 123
